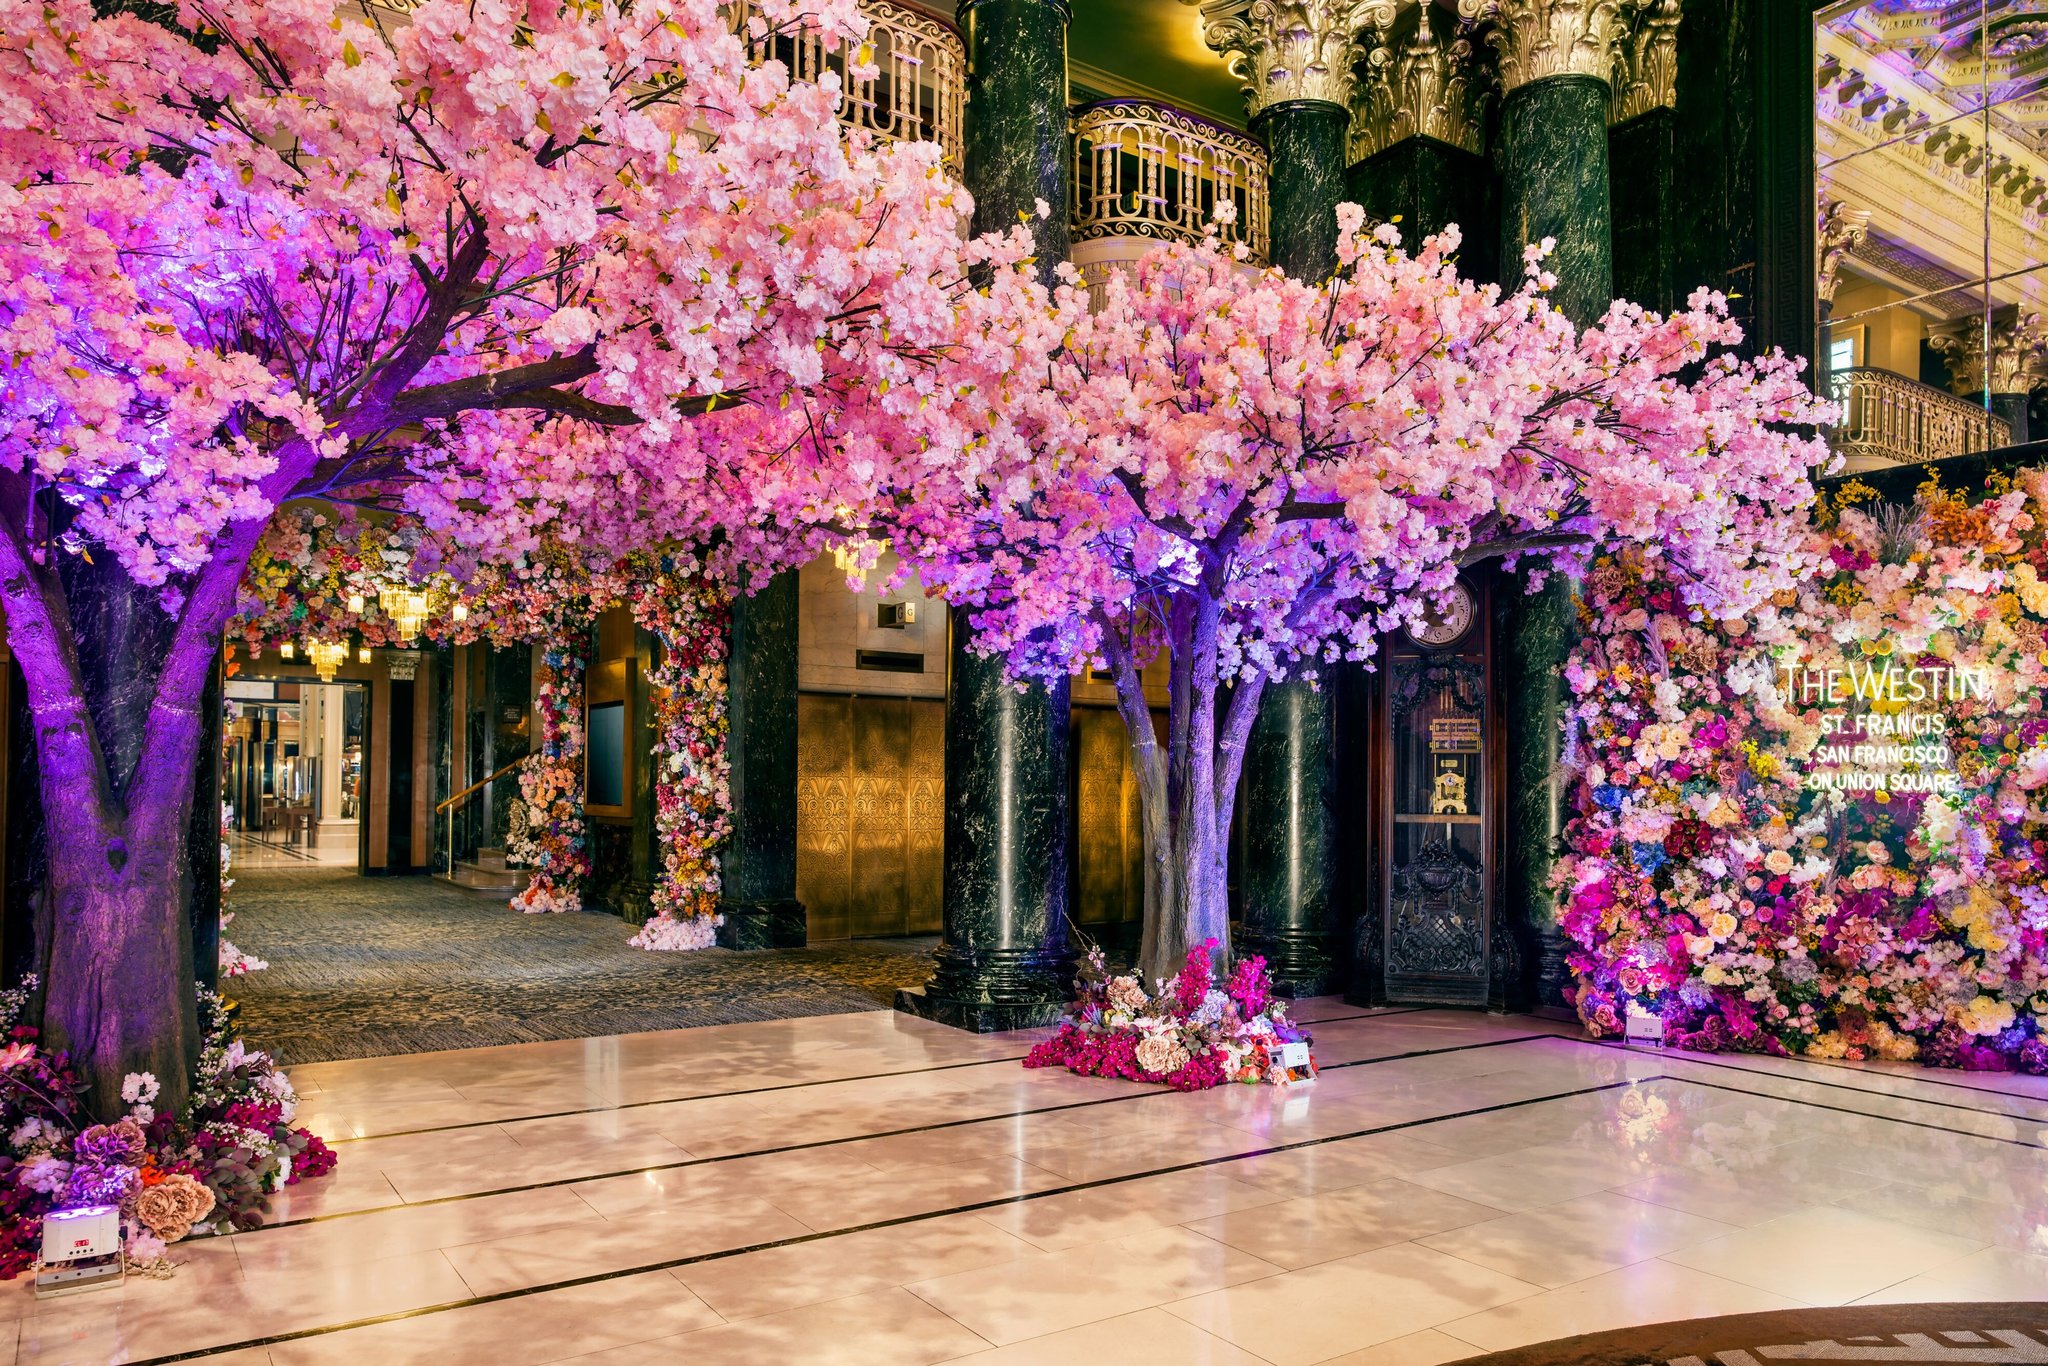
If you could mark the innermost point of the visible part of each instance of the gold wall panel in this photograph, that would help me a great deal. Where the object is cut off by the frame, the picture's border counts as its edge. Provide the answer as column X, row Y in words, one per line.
column 1109, row 852
column 870, row 799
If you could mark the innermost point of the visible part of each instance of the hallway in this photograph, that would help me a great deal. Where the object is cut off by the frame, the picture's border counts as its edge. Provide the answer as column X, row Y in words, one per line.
column 361, row 967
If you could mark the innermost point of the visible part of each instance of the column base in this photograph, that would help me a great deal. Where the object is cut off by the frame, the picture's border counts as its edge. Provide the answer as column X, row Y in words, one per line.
column 1552, row 975
column 635, row 902
column 1300, row 964
column 978, row 1017
column 991, row 990
column 763, row 925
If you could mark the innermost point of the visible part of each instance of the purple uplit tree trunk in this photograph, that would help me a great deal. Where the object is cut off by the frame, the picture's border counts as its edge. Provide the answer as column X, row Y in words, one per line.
column 1187, row 790
column 118, row 724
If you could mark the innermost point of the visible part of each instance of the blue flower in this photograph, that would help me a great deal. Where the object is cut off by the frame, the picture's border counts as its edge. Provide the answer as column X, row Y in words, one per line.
column 1609, row 796
column 1649, row 856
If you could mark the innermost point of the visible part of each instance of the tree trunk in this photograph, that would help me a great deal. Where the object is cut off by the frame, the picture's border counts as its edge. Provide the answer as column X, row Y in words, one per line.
column 1186, row 791
column 120, row 994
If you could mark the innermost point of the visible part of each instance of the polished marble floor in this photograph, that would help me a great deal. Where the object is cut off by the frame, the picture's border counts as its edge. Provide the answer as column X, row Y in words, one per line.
column 331, row 844
column 873, row 1188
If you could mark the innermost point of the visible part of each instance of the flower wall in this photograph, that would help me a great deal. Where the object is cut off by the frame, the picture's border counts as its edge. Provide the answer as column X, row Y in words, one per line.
column 1820, row 828
column 549, row 834
column 692, row 777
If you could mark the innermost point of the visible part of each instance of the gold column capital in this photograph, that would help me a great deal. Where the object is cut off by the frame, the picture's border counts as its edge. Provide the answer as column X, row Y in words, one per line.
column 2016, row 360
column 1534, row 40
column 1841, row 228
column 1421, row 85
column 1646, row 61
column 1289, row 50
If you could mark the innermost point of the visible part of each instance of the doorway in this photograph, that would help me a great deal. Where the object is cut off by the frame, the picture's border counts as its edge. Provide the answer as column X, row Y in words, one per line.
column 293, row 772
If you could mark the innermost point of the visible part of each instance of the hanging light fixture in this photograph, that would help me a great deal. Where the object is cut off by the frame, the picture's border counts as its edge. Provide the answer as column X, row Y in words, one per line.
column 284, row 650
column 460, row 611
column 355, row 603
column 328, row 656
column 363, row 654
column 408, row 612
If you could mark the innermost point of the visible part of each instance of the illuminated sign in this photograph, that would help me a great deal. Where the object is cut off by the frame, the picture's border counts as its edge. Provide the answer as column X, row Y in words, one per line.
column 1883, row 732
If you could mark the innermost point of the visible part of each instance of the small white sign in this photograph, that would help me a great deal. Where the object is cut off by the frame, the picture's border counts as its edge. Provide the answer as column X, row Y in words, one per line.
column 1292, row 1064
column 1643, row 1027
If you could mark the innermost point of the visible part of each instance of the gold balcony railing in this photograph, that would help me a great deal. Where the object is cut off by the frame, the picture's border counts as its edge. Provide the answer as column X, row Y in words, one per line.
column 1145, row 169
column 920, row 87
column 1891, row 419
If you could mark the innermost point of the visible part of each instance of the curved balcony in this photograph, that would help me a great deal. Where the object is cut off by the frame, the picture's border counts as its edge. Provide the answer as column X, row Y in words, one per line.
column 1888, row 419
column 1145, row 173
column 920, row 87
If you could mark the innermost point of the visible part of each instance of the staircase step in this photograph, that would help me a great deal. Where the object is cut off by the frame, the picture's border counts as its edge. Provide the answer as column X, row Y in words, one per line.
column 493, row 859
column 497, row 880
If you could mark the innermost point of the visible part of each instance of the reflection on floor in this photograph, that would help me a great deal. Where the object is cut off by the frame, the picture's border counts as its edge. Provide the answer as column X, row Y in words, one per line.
column 874, row 1188
column 363, row 967
column 331, row 845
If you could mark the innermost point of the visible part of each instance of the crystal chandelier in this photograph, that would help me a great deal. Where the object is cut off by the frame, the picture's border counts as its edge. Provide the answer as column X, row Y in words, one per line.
column 406, row 606
column 328, row 656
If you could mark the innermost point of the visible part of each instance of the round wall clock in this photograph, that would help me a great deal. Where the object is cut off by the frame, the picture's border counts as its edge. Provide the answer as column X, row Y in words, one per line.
column 1441, row 628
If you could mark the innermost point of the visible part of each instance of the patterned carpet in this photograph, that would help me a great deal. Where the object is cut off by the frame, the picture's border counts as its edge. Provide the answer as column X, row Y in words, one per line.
column 361, row 967
column 2013, row 1334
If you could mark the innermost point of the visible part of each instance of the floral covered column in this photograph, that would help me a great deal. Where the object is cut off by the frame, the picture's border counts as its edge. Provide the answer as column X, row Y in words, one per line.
column 1005, row 963
column 1296, row 62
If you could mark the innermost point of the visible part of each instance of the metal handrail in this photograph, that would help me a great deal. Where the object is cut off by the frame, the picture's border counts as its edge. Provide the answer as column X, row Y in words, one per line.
column 464, row 796
column 480, row 784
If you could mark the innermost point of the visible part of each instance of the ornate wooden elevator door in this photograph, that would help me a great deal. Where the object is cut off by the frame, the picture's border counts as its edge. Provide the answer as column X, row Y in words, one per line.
column 1440, row 806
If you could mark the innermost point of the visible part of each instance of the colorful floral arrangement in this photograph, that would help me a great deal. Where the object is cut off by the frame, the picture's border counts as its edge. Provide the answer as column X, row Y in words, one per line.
column 210, row 1168
column 692, row 792
column 1195, row 1034
column 1820, row 829
column 549, row 837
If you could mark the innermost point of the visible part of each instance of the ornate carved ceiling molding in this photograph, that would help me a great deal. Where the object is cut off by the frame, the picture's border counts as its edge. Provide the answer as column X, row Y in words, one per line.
column 1841, row 229
column 1534, row 40
column 2016, row 361
column 1420, row 85
column 1289, row 50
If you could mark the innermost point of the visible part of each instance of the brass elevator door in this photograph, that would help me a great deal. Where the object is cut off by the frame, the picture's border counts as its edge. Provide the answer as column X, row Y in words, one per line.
column 870, row 813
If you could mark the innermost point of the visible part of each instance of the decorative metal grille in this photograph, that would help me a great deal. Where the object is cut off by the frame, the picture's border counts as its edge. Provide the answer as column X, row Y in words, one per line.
column 920, row 87
column 1145, row 169
column 1901, row 421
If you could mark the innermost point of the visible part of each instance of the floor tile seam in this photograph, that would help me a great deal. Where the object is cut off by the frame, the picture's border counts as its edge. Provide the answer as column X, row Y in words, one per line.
column 712, row 1159
column 764, row 1090
column 971, row 1207
column 1701, row 1061
column 1865, row 1114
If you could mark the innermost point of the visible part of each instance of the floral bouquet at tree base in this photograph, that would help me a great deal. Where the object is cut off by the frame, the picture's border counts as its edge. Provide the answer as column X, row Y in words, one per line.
column 1194, row 1035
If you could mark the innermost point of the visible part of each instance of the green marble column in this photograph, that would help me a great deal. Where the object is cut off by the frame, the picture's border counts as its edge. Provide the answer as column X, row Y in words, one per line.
column 758, row 872
column 1004, row 962
column 632, row 896
column 1016, row 152
column 1428, row 185
column 1643, row 155
column 1289, row 849
column 1290, row 838
column 1541, row 627
column 1551, row 154
column 1307, row 140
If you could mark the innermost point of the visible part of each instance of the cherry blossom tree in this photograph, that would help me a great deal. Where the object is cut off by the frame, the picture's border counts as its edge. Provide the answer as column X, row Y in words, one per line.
column 1255, row 476
column 269, row 249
